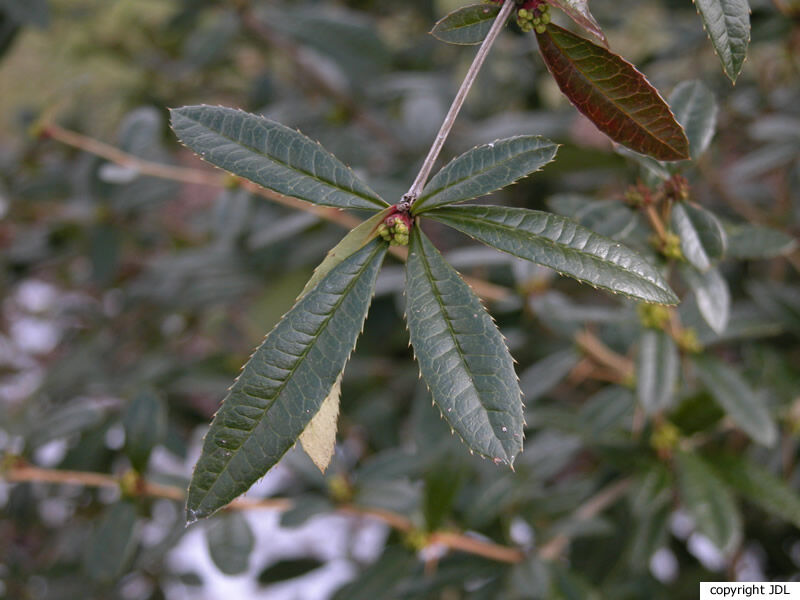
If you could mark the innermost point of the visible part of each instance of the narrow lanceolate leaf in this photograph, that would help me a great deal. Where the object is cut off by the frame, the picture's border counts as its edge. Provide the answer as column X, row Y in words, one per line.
column 702, row 236
column 727, row 23
column 712, row 294
column 485, row 169
column 462, row 356
column 271, row 155
column 755, row 241
column 734, row 394
column 656, row 371
column 759, row 486
column 696, row 110
column 613, row 95
column 578, row 11
column 709, row 501
column 319, row 437
column 284, row 384
column 561, row 244
column 466, row 25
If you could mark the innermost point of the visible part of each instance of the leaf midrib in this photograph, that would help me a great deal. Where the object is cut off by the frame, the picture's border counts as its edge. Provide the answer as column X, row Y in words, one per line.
column 298, row 362
column 615, row 103
column 563, row 247
column 445, row 315
column 373, row 200
column 475, row 174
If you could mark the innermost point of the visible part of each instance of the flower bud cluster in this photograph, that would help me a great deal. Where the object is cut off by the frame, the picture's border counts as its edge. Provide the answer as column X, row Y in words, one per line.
column 534, row 18
column 396, row 228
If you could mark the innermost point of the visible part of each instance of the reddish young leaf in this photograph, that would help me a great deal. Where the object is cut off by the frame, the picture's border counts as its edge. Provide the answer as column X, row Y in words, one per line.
column 578, row 11
column 613, row 95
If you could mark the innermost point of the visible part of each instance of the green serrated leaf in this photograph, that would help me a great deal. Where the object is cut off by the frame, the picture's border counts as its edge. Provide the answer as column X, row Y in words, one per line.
column 703, row 239
column 737, row 398
column 709, row 501
column 747, row 241
column 230, row 542
column 611, row 93
column 485, row 169
column 696, row 110
column 467, row 25
column 145, row 424
column 760, row 487
column 727, row 23
column 284, row 383
column 578, row 11
column 712, row 295
column 563, row 245
column 656, row 371
column 112, row 544
column 610, row 218
column 271, row 155
column 462, row 356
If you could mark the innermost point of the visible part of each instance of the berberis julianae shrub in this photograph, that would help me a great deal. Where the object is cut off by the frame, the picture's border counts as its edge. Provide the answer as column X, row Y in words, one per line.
column 289, row 389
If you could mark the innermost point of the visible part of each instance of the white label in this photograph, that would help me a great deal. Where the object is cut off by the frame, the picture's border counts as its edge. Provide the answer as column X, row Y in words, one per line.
column 753, row 590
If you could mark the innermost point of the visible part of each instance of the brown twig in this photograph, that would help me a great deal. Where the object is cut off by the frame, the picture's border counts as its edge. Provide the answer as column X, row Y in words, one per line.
column 20, row 473
column 554, row 548
column 486, row 290
column 603, row 355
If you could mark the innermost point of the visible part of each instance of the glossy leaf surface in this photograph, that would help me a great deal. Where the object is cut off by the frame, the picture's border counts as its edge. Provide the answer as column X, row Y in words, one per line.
column 271, row 155
column 462, row 356
column 734, row 394
column 703, row 238
column 727, row 23
column 563, row 245
column 656, row 370
column 467, row 25
column 712, row 294
column 709, row 501
column 612, row 94
column 578, row 11
column 284, row 384
column 485, row 169
column 696, row 110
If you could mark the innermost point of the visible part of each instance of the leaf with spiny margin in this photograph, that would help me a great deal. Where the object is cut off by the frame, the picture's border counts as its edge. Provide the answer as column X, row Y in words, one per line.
column 759, row 486
column 737, row 398
column 578, row 11
column 749, row 241
column 709, row 501
column 319, row 437
column 656, row 371
column 727, row 23
column 271, row 155
column 696, row 110
column 612, row 94
column 462, row 356
column 284, row 383
column 712, row 294
column 467, row 25
column 703, row 238
column 563, row 245
column 485, row 169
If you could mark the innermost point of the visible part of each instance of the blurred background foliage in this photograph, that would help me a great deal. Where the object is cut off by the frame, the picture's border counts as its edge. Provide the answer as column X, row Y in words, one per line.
column 130, row 303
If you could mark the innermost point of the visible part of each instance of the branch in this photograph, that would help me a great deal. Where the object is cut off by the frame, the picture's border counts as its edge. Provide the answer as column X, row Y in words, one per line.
column 594, row 348
column 486, row 290
column 23, row 473
column 458, row 102
column 553, row 549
